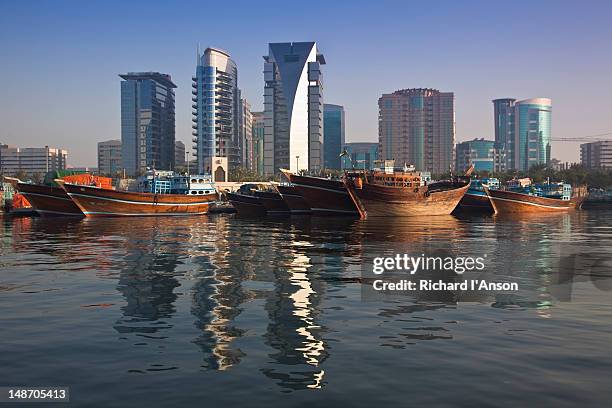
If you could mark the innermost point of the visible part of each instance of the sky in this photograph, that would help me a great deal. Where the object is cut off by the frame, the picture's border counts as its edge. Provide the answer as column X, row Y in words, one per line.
column 60, row 60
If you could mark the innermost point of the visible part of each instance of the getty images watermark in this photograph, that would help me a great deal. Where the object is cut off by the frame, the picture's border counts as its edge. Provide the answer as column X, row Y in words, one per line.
column 433, row 273
column 441, row 274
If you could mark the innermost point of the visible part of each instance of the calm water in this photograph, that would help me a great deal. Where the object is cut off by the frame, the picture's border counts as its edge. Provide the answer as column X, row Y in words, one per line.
column 221, row 310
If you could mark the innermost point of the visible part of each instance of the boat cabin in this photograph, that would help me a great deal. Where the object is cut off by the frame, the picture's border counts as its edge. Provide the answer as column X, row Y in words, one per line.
column 168, row 182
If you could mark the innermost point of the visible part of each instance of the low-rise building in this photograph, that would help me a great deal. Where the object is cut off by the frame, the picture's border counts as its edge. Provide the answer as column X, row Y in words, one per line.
column 109, row 157
column 360, row 155
column 90, row 170
column 485, row 155
column 31, row 160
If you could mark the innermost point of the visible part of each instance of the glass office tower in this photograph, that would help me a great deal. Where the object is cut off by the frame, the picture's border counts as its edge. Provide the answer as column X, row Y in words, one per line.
column 258, row 131
column 216, row 104
column 333, row 135
column 524, row 129
column 293, row 107
column 147, row 122
column 532, row 132
column 503, row 111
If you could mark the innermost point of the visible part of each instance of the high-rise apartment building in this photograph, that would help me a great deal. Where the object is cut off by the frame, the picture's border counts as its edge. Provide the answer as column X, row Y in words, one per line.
column 417, row 126
column 293, row 107
column 31, row 160
column 147, row 122
column 596, row 155
column 485, row 155
column 524, row 129
column 109, row 157
column 333, row 135
column 258, row 142
column 179, row 154
column 216, row 103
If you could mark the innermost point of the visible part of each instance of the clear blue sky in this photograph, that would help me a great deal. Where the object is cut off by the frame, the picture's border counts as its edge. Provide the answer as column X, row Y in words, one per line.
column 60, row 60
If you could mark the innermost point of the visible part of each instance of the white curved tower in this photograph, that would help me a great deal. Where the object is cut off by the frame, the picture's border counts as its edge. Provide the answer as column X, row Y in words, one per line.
column 293, row 107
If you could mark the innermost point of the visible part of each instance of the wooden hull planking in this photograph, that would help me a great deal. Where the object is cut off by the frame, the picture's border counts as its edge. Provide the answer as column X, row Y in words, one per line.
column 246, row 205
column 475, row 203
column 272, row 201
column 323, row 196
column 49, row 201
column 509, row 202
column 99, row 202
column 385, row 201
column 294, row 200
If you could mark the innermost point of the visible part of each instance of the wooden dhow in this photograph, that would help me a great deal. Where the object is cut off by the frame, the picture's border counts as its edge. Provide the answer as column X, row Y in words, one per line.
column 323, row 196
column 246, row 205
column 476, row 199
column 102, row 202
column 380, row 193
column 512, row 202
column 293, row 199
column 272, row 201
column 48, row 200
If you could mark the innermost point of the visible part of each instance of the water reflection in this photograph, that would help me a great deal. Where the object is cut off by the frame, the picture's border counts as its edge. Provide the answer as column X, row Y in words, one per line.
column 270, row 296
column 293, row 331
column 151, row 252
column 217, row 293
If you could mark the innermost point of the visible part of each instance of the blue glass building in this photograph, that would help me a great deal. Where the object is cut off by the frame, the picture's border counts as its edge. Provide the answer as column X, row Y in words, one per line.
column 361, row 155
column 333, row 135
column 485, row 155
column 532, row 133
column 503, row 111
column 147, row 122
column 524, row 129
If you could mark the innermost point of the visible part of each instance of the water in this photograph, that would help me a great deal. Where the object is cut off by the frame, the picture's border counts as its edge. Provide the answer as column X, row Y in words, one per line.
column 220, row 310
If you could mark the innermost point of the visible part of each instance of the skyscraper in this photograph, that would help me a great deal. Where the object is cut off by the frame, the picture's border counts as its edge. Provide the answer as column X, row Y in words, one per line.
column 524, row 129
column 503, row 112
column 245, row 127
column 147, row 122
column 293, row 107
column 333, row 135
column 258, row 142
column 216, row 100
column 417, row 126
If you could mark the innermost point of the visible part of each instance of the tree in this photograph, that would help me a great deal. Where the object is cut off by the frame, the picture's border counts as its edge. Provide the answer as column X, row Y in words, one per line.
column 21, row 175
column 37, row 178
column 241, row 174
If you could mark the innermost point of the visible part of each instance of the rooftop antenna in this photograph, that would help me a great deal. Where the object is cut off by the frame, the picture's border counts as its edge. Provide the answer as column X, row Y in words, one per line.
column 198, row 55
